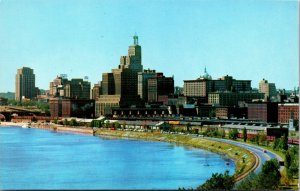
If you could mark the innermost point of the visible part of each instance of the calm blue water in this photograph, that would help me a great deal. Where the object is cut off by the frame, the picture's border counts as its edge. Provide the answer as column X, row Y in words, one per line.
column 42, row 159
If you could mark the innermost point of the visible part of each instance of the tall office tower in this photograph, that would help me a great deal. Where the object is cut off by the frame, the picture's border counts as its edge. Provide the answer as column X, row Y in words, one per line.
column 120, row 87
column 133, row 60
column 269, row 89
column 126, row 77
column 159, row 86
column 107, row 84
column 143, row 83
column 25, row 84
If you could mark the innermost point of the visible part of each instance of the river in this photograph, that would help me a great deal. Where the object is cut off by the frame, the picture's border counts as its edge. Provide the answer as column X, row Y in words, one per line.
column 44, row 159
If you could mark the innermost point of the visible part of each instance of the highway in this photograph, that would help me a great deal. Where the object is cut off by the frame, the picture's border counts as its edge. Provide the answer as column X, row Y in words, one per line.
column 255, row 149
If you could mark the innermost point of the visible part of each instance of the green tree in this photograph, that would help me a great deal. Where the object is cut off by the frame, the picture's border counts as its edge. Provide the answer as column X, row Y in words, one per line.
column 222, row 133
column 66, row 122
column 99, row 123
column 233, row 134
column 188, row 126
column 117, row 125
column 55, row 121
column 212, row 113
column 269, row 177
column 96, row 123
column 256, row 139
column 287, row 164
column 166, row 127
column 245, row 134
column 124, row 125
column 296, row 124
column 218, row 181
column 283, row 144
column 92, row 124
column 294, row 166
column 294, row 169
column 287, row 160
column 73, row 122
column 107, row 124
column 249, row 183
column 276, row 144
column 262, row 138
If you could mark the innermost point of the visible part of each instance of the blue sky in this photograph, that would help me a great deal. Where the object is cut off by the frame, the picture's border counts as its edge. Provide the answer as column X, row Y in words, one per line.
column 246, row 39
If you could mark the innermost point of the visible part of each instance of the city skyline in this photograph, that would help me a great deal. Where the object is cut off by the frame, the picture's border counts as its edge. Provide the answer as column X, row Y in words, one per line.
column 245, row 39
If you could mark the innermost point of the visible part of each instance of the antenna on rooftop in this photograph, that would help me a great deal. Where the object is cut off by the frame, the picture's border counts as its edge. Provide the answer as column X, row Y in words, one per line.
column 135, row 39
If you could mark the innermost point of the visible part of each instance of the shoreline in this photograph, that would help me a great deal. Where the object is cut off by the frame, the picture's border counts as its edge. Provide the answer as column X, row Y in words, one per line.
column 244, row 165
column 55, row 127
column 243, row 169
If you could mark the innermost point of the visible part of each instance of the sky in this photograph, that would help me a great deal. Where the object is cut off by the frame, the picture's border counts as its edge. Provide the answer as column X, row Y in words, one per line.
column 246, row 39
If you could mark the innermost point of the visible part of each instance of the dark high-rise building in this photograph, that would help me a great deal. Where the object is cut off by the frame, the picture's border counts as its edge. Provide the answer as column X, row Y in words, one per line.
column 143, row 83
column 120, row 87
column 78, row 89
column 159, row 86
column 25, row 84
column 107, row 84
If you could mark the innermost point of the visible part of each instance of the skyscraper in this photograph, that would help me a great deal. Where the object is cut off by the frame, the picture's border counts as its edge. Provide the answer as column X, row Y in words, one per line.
column 25, row 84
column 160, row 86
column 120, row 87
column 143, row 83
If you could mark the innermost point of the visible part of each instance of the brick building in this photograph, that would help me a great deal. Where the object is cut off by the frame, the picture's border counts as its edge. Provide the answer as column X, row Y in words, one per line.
column 288, row 111
column 200, row 88
column 229, row 112
column 82, row 108
column 264, row 111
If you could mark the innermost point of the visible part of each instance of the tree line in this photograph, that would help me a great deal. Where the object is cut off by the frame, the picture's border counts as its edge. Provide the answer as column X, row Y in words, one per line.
column 268, row 178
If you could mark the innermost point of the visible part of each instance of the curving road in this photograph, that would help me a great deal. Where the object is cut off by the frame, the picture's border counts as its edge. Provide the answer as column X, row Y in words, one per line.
column 255, row 149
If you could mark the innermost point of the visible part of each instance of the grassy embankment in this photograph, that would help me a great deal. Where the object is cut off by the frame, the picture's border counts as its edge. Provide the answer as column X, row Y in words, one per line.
column 244, row 160
column 284, row 182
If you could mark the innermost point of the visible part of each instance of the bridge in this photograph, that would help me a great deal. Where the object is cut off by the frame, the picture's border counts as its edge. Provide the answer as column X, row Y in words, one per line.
column 10, row 111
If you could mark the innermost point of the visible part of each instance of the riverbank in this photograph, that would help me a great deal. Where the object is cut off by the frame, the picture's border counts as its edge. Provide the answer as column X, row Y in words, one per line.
column 55, row 127
column 245, row 161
